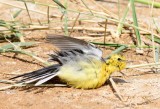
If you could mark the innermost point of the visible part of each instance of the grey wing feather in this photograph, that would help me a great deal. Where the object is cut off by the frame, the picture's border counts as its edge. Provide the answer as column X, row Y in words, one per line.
column 66, row 43
column 65, row 56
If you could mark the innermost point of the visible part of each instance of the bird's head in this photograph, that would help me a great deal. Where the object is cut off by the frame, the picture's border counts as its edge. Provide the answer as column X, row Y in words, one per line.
column 117, row 61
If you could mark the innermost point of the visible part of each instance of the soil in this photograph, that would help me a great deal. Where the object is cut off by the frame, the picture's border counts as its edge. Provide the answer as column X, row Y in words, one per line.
column 139, row 87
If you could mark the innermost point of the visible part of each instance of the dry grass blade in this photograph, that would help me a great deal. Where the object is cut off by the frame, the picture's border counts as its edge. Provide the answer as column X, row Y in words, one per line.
column 87, row 7
column 15, row 47
column 6, row 81
column 116, row 89
column 11, row 86
column 29, row 54
column 74, row 24
column 105, row 33
column 28, row 11
column 143, row 65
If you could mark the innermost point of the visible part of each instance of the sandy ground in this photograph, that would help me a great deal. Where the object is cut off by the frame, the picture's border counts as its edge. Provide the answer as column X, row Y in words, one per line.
column 139, row 87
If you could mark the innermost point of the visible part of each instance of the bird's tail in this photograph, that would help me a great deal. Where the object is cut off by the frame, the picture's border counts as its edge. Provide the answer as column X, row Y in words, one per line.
column 39, row 76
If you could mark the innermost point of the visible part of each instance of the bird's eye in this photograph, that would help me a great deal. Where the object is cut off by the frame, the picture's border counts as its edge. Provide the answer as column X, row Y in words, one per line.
column 119, row 59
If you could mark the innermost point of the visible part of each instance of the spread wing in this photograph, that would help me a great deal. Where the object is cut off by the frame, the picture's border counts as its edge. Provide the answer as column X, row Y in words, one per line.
column 45, row 74
column 66, row 43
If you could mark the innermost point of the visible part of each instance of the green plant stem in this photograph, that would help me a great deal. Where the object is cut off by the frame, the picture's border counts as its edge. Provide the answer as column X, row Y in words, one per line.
column 135, row 23
column 149, row 2
column 120, row 25
column 117, row 51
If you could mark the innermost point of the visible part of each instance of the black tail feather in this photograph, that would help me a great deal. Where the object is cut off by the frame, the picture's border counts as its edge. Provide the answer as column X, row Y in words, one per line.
column 37, row 75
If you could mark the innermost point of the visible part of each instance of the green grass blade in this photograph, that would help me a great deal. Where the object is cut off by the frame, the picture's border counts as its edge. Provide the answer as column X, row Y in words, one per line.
column 87, row 7
column 118, row 50
column 19, row 44
column 156, row 39
column 135, row 23
column 120, row 24
column 59, row 3
column 157, row 54
column 149, row 2
column 17, row 13
column 108, row 44
column 157, row 27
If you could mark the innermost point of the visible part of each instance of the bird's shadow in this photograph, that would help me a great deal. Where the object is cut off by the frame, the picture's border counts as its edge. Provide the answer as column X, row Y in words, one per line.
column 116, row 80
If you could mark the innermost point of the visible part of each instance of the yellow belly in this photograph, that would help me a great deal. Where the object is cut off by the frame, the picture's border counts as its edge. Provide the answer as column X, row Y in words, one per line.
column 88, row 78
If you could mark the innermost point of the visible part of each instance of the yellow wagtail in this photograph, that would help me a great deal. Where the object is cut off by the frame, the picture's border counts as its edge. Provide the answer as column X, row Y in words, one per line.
column 80, row 65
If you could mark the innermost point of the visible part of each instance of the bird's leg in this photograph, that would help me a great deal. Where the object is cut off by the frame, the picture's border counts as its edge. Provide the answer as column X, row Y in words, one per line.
column 116, row 89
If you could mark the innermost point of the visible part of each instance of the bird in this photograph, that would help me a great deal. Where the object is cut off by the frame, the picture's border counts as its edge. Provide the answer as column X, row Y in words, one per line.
column 79, row 65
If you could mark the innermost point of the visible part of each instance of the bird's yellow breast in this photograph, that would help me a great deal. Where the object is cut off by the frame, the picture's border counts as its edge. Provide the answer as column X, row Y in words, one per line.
column 89, row 76
column 89, row 73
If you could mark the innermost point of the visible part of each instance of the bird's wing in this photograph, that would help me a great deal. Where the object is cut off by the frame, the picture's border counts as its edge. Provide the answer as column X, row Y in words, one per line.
column 66, row 43
column 43, row 75
column 63, row 57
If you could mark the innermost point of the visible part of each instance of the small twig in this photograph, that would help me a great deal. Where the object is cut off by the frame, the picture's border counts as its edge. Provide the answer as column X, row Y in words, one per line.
column 116, row 89
column 48, row 9
column 82, row 28
column 29, row 54
column 143, row 65
column 28, row 29
column 96, row 29
column 11, row 86
column 6, row 81
column 74, row 24
column 87, row 7
column 105, row 10
column 15, row 46
column 28, row 11
column 105, row 33
column 35, row 57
